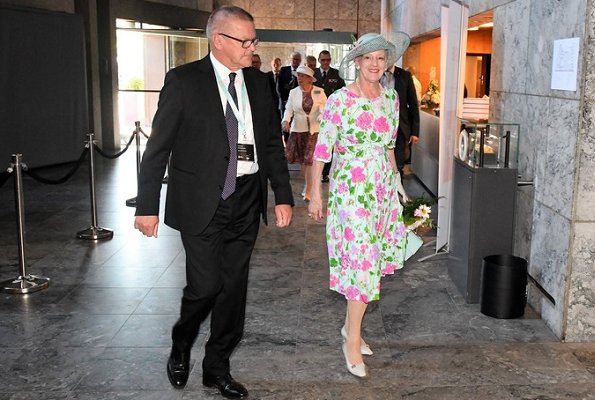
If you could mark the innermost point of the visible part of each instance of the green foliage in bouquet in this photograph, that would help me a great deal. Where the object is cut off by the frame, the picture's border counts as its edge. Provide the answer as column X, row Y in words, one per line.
column 416, row 213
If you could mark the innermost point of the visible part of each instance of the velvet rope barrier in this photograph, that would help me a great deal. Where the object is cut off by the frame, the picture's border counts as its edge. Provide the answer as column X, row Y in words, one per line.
column 61, row 180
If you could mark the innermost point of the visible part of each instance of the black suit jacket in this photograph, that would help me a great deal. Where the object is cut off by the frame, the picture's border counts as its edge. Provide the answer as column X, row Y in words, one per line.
column 408, row 105
column 190, row 126
column 274, row 89
column 285, row 83
column 331, row 82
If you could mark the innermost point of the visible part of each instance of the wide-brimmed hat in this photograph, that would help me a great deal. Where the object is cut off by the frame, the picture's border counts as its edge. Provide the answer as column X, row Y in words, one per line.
column 395, row 43
column 303, row 69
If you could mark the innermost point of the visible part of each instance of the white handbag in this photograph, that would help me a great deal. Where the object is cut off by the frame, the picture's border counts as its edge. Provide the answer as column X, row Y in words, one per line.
column 412, row 245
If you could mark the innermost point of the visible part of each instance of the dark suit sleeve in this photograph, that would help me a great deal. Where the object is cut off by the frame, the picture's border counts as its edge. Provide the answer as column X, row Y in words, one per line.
column 282, row 82
column 165, row 125
column 413, row 106
column 274, row 89
column 278, row 173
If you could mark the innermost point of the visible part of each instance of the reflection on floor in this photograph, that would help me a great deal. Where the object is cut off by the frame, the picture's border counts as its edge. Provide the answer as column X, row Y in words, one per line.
column 102, row 329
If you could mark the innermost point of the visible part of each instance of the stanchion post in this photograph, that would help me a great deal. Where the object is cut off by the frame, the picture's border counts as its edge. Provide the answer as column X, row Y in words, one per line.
column 24, row 283
column 132, row 201
column 94, row 232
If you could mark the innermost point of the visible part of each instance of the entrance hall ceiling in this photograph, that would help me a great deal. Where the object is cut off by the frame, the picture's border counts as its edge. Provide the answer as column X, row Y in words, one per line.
column 474, row 21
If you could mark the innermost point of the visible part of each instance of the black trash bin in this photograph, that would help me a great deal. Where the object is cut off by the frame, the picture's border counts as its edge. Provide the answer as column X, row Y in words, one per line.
column 503, row 286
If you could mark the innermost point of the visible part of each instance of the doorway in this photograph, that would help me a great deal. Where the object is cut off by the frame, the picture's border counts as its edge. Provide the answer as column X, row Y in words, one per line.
column 145, row 53
column 477, row 75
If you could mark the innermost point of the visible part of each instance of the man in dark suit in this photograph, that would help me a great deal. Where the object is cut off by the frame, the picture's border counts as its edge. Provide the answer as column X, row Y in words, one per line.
column 256, row 61
column 408, row 133
column 273, row 76
column 275, row 69
column 217, row 120
column 327, row 78
column 287, row 80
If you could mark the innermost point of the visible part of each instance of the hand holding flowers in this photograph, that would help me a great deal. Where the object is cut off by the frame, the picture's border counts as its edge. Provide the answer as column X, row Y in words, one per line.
column 416, row 213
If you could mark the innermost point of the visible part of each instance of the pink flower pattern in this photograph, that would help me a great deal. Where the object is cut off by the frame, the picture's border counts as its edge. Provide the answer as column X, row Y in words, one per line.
column 336, row 118
column 322, row 152
column 365, row 230
column 357, row 174
column 364, row 121
column 381, row 125
column 349, row 234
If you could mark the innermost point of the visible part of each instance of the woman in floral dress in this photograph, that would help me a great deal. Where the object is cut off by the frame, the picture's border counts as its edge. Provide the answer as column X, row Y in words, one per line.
column 365, row 231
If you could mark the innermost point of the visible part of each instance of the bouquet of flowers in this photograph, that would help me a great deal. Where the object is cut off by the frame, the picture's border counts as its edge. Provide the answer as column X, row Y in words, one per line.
column 416, row 213
column 431, row 98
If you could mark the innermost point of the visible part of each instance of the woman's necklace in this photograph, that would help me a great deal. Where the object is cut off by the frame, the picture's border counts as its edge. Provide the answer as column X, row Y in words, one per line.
column 360, row 89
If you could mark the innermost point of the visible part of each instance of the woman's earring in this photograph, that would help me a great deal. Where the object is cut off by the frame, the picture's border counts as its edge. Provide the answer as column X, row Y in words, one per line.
column 357, row 67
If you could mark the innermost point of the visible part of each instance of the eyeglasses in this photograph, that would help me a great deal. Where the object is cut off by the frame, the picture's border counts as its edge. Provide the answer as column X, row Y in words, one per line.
column 245, row 43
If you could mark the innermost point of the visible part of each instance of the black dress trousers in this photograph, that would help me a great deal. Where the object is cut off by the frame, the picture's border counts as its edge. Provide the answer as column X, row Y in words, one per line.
column 217, row 263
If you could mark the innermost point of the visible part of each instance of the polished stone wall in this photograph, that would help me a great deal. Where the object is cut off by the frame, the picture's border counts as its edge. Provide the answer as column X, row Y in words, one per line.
column 555, row 218
column 581, row 296
column 358, row 16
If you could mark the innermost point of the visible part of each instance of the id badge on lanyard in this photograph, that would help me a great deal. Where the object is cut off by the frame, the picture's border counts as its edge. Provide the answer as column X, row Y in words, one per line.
column 245, row 151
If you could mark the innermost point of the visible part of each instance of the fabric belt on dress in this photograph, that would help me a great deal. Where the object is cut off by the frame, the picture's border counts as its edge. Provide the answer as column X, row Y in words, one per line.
column 362, row 152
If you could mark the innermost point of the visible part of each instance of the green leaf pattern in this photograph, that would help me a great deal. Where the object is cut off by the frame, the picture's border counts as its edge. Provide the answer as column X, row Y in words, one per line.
column 365, row 231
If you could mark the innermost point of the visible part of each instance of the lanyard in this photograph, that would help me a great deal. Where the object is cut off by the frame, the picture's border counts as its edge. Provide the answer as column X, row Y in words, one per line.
column 232, row 104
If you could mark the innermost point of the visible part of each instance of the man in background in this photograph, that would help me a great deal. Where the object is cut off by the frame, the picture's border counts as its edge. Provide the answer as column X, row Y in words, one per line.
column 328, row 79
column 287, row 81
column 408, row 133
column 256, row 62
column 311, row 62
column 416, row 82
column 273, row 76
column 275, row 68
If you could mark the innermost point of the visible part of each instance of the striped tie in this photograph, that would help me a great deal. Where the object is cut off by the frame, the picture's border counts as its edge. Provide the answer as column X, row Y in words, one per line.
column 232, row 136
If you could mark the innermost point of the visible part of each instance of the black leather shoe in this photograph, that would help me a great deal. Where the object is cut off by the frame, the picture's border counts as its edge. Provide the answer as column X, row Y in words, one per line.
column 324, row 178
column 178, row 368
column 229, row 387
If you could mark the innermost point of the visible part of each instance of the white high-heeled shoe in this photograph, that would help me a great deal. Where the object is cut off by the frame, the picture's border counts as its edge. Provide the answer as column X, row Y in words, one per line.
column 358, row 370
column 365, row 349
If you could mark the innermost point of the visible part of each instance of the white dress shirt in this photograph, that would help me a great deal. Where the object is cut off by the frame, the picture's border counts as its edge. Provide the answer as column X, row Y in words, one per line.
column 246, row 136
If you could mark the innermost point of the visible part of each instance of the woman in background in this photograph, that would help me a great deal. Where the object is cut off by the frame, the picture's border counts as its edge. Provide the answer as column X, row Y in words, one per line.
column 301, row 119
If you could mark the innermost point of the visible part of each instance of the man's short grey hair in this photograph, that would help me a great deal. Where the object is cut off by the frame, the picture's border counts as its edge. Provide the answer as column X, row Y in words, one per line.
column 224, row 13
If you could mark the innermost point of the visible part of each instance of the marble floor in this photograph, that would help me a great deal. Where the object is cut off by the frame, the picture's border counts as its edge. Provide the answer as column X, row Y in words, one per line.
column 102, row 328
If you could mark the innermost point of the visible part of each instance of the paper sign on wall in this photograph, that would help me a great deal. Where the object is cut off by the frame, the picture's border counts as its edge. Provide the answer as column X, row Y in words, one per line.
column 565, row 64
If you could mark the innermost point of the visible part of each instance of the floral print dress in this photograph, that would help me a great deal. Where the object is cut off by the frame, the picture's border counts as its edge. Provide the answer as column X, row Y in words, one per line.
column 365, row 231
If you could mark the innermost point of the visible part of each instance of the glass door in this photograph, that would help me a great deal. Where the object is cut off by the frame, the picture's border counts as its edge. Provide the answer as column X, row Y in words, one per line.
column 145, row 54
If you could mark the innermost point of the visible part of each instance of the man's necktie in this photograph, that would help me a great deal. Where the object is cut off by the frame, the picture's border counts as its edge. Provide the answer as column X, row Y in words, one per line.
column 275, row 76
column 232, row 136
column 323, row 76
